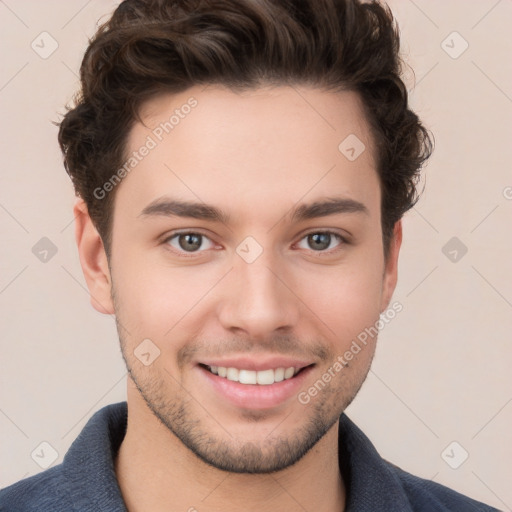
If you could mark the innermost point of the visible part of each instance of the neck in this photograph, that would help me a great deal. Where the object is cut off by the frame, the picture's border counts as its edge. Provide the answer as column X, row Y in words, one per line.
column 157, row 472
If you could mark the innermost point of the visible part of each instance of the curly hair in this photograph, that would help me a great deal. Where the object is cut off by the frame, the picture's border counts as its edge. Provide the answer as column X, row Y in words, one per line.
column 150, row 47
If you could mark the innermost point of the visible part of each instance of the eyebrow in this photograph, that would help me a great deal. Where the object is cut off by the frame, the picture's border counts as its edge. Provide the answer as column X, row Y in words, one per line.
column 174, row 208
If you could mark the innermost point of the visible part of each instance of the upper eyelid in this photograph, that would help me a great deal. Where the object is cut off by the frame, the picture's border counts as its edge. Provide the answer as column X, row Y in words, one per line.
column 168, row 237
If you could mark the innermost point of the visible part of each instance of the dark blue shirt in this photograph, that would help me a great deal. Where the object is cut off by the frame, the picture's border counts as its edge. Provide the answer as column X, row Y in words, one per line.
column 86, row 480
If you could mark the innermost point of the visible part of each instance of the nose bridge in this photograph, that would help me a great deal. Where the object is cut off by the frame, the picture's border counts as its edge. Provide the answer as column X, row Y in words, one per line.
column 261, row 302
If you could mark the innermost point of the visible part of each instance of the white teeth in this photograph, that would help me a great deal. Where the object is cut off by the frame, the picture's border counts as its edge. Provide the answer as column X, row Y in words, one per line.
column 289, row 373
column 262, row 377
column 247, row 377
column 265, row 377
column 232, row 374
column 278, row 374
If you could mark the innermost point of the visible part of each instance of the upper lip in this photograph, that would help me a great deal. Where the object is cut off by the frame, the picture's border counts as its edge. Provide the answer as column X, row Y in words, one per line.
column 261, row 363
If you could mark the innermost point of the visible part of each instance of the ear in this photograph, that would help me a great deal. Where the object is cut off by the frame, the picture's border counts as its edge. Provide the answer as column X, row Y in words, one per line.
column 93, row 259
column 391, row 268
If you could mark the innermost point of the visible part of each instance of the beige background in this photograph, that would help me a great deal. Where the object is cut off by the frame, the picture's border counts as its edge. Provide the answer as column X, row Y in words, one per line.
column 442, row 369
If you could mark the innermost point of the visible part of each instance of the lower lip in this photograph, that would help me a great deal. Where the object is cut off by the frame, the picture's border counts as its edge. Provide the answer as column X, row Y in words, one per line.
column 256, row 396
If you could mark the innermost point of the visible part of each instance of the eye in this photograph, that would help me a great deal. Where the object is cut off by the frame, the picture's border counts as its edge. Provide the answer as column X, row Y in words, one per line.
column 319, row 241
column 187, row 241
column 191, row 242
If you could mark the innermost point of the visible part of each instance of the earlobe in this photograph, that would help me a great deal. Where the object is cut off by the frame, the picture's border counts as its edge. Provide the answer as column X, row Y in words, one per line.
column 93, row 259
column 391, row 269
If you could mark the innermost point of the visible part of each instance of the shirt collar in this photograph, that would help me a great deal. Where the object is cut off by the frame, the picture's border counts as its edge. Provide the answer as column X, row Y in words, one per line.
column 370, row 482
column 89, row 463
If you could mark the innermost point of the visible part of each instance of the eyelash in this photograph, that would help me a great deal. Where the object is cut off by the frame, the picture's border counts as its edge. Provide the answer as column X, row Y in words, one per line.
column 184, row 254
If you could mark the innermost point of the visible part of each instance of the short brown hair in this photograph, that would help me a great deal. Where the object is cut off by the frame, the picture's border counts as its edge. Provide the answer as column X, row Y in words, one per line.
column 149, row 47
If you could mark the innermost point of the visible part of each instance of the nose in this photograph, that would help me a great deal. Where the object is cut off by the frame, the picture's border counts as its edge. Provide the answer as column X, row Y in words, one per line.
column 259, row 298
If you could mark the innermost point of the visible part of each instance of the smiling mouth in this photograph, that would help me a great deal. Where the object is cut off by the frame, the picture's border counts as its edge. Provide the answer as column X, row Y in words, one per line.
column 261, row 377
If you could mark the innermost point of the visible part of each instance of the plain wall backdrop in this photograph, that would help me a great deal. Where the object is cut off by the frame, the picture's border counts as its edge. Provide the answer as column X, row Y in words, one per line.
column 439, row 389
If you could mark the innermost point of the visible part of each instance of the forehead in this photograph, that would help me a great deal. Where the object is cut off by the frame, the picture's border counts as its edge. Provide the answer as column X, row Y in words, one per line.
column 252, row 150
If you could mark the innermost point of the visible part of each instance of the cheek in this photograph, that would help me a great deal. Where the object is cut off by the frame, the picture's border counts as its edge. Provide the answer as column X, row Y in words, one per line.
column 346, row 298
column 155, row 301
column 167, row 305
column 347, row 305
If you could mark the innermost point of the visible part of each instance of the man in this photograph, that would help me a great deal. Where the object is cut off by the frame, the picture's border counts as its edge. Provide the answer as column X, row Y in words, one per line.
column 241, row 170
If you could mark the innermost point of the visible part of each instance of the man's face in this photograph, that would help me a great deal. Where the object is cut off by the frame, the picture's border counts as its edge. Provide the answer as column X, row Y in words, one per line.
column 263, row 288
